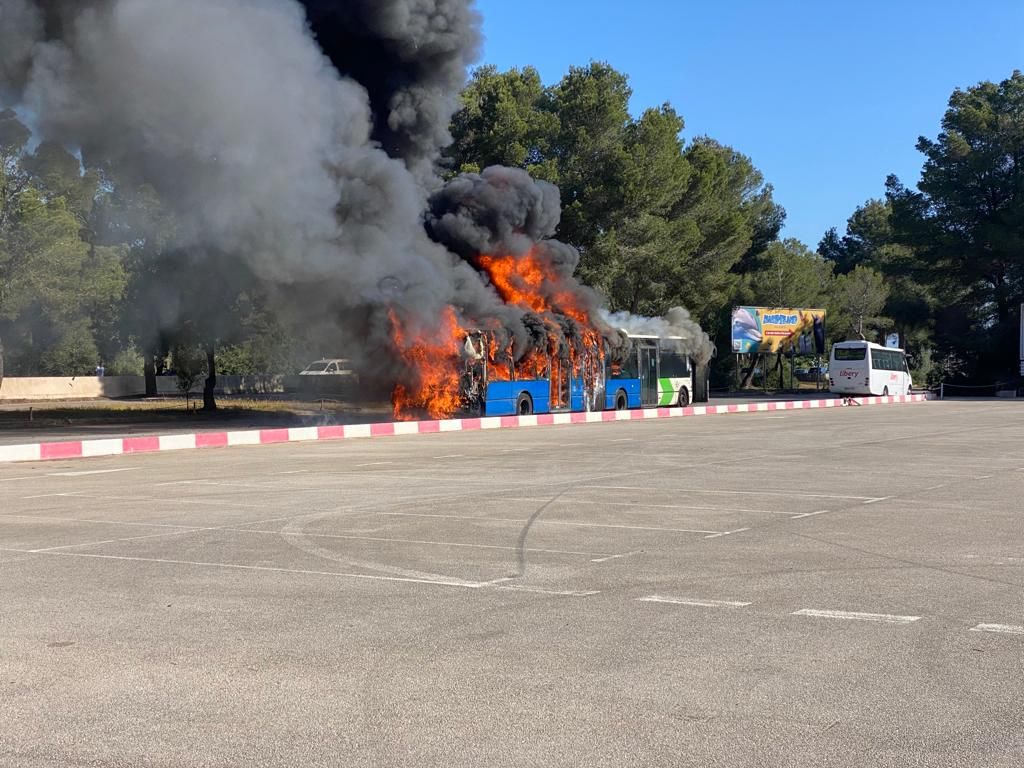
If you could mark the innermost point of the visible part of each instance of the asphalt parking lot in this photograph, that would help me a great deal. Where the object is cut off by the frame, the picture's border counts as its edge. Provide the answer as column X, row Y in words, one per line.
column 839, row 587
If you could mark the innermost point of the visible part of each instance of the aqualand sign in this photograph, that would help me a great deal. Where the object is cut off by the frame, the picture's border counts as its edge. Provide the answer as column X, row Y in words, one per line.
column 757, row 330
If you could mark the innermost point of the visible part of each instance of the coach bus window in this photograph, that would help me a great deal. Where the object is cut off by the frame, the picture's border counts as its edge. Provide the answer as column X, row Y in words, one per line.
column 886, row 360
column 849, row 353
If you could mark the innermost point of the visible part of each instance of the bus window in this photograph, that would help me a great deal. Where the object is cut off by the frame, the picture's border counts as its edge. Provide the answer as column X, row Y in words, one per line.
column 888, row 360
column 625, row 368
column 848, row 353
column 674, row 365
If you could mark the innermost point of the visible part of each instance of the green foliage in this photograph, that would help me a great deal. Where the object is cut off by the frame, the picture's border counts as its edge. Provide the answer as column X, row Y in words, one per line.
column 74, row 353
column 236, row 360
column 965, row 224
column 127, row 362
column 188, row 361
column 858, row 300
column 789, row 274
column 52, row 276
column 502, row 122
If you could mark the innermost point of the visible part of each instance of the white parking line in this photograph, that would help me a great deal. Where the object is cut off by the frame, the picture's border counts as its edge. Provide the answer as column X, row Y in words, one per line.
column 540, row 591
column 424, row 542
column 875, row 501
column 452, row 456
column 693, row 601
column 181, row 532
column 788, row 494
column 726, row 533
column 91, row 472
column 495, row 584
column 1006, row 629
column 91, row 521
column 265, row 568
column 884, row 618
column 605, row 502
column 520, row 521
column 809, row 514
column 616, row 557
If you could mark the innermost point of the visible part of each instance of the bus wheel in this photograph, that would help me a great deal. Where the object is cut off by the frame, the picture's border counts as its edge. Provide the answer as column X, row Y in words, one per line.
column 885, row 391
column 620, row 401
column 524, row 405
column 684, row 397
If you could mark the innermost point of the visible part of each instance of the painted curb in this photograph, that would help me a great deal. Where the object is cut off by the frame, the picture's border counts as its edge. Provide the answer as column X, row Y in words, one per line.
column 119, row 446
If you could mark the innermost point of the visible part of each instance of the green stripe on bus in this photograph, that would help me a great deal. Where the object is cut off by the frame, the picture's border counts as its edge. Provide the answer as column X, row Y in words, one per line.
column 667, row 395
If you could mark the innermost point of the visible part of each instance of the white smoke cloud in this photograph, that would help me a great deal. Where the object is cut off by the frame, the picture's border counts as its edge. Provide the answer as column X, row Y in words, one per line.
column 676, row 322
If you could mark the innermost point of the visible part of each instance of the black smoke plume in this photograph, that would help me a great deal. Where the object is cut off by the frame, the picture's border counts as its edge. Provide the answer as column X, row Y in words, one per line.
column 294, row 143
column 411, row 57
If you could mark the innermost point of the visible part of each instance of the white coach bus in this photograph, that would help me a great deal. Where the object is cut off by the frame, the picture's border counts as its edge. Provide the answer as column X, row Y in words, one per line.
column 864, row 368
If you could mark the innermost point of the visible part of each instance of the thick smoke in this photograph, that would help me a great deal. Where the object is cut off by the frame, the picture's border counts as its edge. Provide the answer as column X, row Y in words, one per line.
column 411, row 57
column 21, row 24
column 264, row 152
column 499, row 211
column 676, row 323
column 504, row 212
column 294, row 145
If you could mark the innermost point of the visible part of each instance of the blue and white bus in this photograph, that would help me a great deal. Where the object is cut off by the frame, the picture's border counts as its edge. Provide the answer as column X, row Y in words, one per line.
column 649, row 371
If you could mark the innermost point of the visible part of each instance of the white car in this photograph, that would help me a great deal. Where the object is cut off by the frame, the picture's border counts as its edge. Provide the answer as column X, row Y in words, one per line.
column 326, row 367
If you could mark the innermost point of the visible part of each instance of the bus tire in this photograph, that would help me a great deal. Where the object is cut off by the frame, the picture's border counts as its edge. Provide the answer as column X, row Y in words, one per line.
column 885, row 391
column 684, row 397
column 620, row 401
column 524, row 404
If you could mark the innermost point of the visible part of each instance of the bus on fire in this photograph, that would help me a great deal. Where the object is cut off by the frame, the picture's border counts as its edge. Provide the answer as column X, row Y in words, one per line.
column 647, row 371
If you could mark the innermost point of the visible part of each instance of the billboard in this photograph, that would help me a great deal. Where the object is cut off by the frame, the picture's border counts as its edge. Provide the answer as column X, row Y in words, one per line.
column 757, row 330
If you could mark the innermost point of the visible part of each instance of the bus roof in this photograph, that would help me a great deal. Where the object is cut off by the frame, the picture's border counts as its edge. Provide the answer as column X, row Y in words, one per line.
column 651, row 336
column 856, row 343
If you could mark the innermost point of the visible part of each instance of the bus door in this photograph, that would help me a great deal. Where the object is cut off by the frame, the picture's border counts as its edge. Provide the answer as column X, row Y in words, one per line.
column 648, row 374
column 560, row 374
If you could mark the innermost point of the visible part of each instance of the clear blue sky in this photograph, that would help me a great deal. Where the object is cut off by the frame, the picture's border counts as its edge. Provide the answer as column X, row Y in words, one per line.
column 827, row 97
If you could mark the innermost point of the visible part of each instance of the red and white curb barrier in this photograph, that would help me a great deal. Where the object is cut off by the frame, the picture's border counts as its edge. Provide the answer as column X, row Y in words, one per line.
column 152, row 443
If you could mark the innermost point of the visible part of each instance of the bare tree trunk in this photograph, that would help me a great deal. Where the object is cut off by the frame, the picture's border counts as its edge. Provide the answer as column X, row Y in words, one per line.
column 209, row 401
column 149, row 373
column 748, row 374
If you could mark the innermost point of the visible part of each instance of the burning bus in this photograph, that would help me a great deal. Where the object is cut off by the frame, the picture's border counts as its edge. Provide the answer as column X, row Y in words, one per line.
column 519, row 333
column 636, row 372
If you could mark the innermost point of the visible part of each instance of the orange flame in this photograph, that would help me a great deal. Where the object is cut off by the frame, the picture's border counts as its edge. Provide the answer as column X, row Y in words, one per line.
column 527, row 282
column 434, row 366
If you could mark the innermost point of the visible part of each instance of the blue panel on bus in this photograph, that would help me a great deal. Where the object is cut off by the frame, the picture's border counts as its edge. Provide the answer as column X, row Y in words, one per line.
column 576, row 401
column 630, row 386
column 502, row 396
